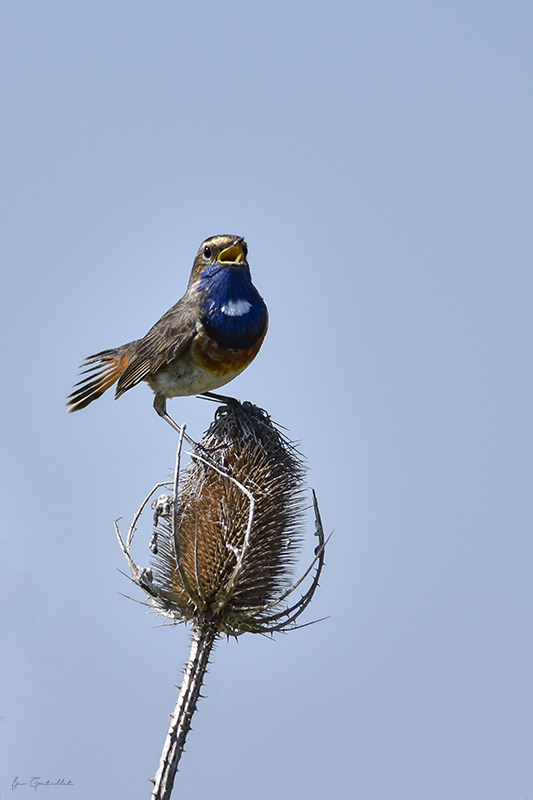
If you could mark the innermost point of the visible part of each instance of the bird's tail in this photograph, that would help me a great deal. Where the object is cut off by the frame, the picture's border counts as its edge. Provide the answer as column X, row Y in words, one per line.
column 101, row 371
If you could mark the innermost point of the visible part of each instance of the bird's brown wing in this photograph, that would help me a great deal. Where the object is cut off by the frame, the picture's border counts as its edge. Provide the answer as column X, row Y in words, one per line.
column 166, row 340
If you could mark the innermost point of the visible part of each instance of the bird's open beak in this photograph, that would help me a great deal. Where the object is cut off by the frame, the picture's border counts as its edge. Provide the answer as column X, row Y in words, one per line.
column 234, row 254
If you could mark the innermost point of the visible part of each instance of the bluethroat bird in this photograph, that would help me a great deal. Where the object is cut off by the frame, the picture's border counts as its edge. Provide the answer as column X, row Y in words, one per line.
column 204, row 341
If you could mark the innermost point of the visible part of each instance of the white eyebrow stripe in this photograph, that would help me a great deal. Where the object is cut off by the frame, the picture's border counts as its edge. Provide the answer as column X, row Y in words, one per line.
column 236, row 308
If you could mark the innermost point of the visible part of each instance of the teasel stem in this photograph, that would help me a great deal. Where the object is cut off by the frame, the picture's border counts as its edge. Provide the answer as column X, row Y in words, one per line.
column 203, row 639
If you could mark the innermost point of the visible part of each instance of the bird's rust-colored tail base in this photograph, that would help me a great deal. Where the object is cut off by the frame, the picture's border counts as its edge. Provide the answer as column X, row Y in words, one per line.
column 102, row 371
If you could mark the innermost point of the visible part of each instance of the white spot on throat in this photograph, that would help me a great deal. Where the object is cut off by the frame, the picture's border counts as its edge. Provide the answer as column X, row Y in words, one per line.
column 236, row 308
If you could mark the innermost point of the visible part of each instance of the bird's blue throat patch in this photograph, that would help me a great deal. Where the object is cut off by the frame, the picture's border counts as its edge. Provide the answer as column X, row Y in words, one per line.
column 234, row 313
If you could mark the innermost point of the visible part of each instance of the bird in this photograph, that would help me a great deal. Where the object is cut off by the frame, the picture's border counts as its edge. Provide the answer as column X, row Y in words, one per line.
column 204, row 341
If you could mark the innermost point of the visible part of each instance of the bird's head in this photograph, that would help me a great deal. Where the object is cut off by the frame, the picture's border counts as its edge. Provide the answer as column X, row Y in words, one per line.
column 219, row 253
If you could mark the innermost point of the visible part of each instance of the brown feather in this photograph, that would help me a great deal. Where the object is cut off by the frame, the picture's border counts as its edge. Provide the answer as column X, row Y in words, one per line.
column 166, row 340
column 103, row 370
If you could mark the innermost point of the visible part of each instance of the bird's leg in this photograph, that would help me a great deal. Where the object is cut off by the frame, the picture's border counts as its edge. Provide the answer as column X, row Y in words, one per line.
column 160, row 405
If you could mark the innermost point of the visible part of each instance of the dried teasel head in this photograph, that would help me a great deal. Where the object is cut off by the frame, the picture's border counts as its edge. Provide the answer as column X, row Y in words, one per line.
column 226, row 548
column 224, row 545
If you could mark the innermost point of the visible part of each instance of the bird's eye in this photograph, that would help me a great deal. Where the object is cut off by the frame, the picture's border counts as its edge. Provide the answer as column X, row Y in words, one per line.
column 207, row 252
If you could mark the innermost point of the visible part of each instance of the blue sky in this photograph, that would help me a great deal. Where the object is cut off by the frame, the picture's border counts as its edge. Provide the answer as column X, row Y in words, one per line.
column 377, row 158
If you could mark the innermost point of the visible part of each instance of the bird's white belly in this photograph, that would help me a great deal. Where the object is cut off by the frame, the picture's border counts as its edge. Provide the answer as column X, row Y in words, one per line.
column 179, row 379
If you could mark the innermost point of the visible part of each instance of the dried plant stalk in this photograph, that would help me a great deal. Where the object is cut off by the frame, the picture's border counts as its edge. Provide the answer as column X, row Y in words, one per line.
column 202, row 643
column 225, row 545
